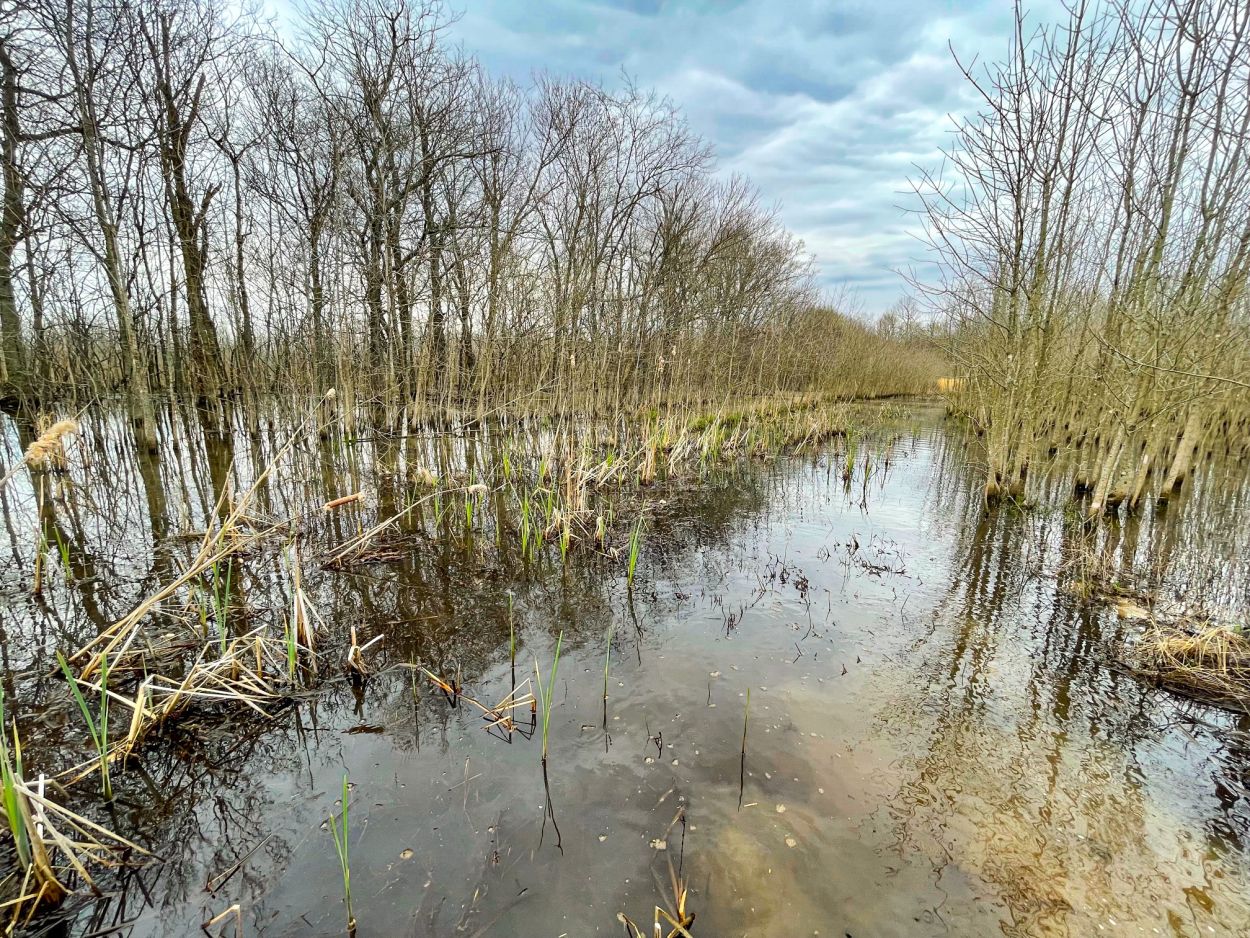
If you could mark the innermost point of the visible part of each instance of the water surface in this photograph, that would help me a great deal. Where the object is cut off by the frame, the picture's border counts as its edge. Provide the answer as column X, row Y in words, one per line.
column 938, row 741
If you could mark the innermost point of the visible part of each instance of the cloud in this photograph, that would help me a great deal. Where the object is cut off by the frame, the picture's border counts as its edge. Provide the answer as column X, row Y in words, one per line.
column 827, row 106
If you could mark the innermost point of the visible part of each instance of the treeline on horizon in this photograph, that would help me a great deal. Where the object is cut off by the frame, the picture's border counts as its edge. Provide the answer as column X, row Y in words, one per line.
column 1092, row 225
column 198, row 205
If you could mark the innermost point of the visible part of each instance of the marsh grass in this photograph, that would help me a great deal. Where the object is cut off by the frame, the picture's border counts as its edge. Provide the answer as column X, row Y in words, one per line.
column 63, row 551
column 635, row 549
column 547, row 692
column 340, row 831
column 512, row 638
column 607, row 662
column 1200, row 659
column 97, row 724
column 10, row 773
column 45, row 832
column 571, row 486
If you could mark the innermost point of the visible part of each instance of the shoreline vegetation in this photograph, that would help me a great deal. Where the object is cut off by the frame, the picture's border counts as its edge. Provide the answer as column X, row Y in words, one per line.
column 1091, row 223
column 204, row 208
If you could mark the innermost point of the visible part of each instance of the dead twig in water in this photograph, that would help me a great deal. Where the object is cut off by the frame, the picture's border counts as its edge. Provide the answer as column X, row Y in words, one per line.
column 742, row 769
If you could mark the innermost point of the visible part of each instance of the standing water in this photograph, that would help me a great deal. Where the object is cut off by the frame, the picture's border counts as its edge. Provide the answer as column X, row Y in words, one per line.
column 939, row 737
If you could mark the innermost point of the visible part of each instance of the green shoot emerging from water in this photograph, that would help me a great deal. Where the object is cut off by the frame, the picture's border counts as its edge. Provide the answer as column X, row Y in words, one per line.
column 9, row 772
column 98, row 725
column 339, row 830
column 512, row 639
column 547, row 691
column 607, row 661
column 635, row 547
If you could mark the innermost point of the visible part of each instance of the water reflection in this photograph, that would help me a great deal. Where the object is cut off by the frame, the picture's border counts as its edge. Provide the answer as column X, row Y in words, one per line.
column 940, row 740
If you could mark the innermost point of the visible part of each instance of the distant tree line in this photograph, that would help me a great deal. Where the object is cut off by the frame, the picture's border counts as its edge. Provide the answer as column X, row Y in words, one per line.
column 1092, row 221
column 195, row 204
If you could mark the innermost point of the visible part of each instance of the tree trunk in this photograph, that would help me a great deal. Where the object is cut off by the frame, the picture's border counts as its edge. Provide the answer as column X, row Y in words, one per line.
column 11, row 217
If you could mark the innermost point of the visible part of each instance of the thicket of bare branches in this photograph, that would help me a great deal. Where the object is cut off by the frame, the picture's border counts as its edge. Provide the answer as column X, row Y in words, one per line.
column 192, row 204
column 1093, row 225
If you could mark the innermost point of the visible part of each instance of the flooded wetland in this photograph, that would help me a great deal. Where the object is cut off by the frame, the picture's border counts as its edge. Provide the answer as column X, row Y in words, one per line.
column 816, row 691
column 444, row 494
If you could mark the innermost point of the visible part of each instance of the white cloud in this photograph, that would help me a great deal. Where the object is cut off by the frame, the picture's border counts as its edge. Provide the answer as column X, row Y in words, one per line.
column 826, row 107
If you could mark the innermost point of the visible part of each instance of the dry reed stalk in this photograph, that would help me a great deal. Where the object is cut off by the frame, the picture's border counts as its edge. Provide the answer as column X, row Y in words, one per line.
column 356, row 653
column 304, row 616
column 221, row 539
column 676, row 914
column 498, row 714
column 341, row 501
column 1211, row 661
column 220, row 681
column 55, row 831
column 235, row 911
column 356, row 545
column 116, row 639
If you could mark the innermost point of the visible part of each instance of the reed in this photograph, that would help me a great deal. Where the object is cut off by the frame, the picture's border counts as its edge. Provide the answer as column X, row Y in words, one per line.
column 547, row 692
column 10, row 772
column 512, row 638
column 674, row 912
column 303, row 622
column 635, row 548
column 526, row 529
column 50, row 446
column 607, row 661
column 220, row 597
column 62, row 549
column 41, row 548
column 42, row 829
column 340, row 831
column 1202, row 659
column 498, row 715
column 97, row 725
column 848, row 464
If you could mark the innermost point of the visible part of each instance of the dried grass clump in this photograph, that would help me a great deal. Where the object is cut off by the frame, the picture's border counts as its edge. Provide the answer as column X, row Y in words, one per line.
column 52, row 844
column 1207, row 661
column 422, row 476
column 49, row 449
column 674, row 912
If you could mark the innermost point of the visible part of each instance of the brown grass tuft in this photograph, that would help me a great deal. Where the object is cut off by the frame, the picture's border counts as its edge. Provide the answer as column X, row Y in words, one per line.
column 50, row 444
column 1209, row 661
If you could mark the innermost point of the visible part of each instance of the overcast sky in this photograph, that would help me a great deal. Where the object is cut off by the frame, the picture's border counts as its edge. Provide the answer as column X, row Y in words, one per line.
column 826, row 106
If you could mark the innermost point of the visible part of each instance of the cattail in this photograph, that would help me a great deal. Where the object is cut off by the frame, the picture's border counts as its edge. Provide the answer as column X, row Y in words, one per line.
column 50, row 442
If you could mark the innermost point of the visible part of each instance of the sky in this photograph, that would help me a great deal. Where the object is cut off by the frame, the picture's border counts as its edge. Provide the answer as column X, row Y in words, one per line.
column 828, row 107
